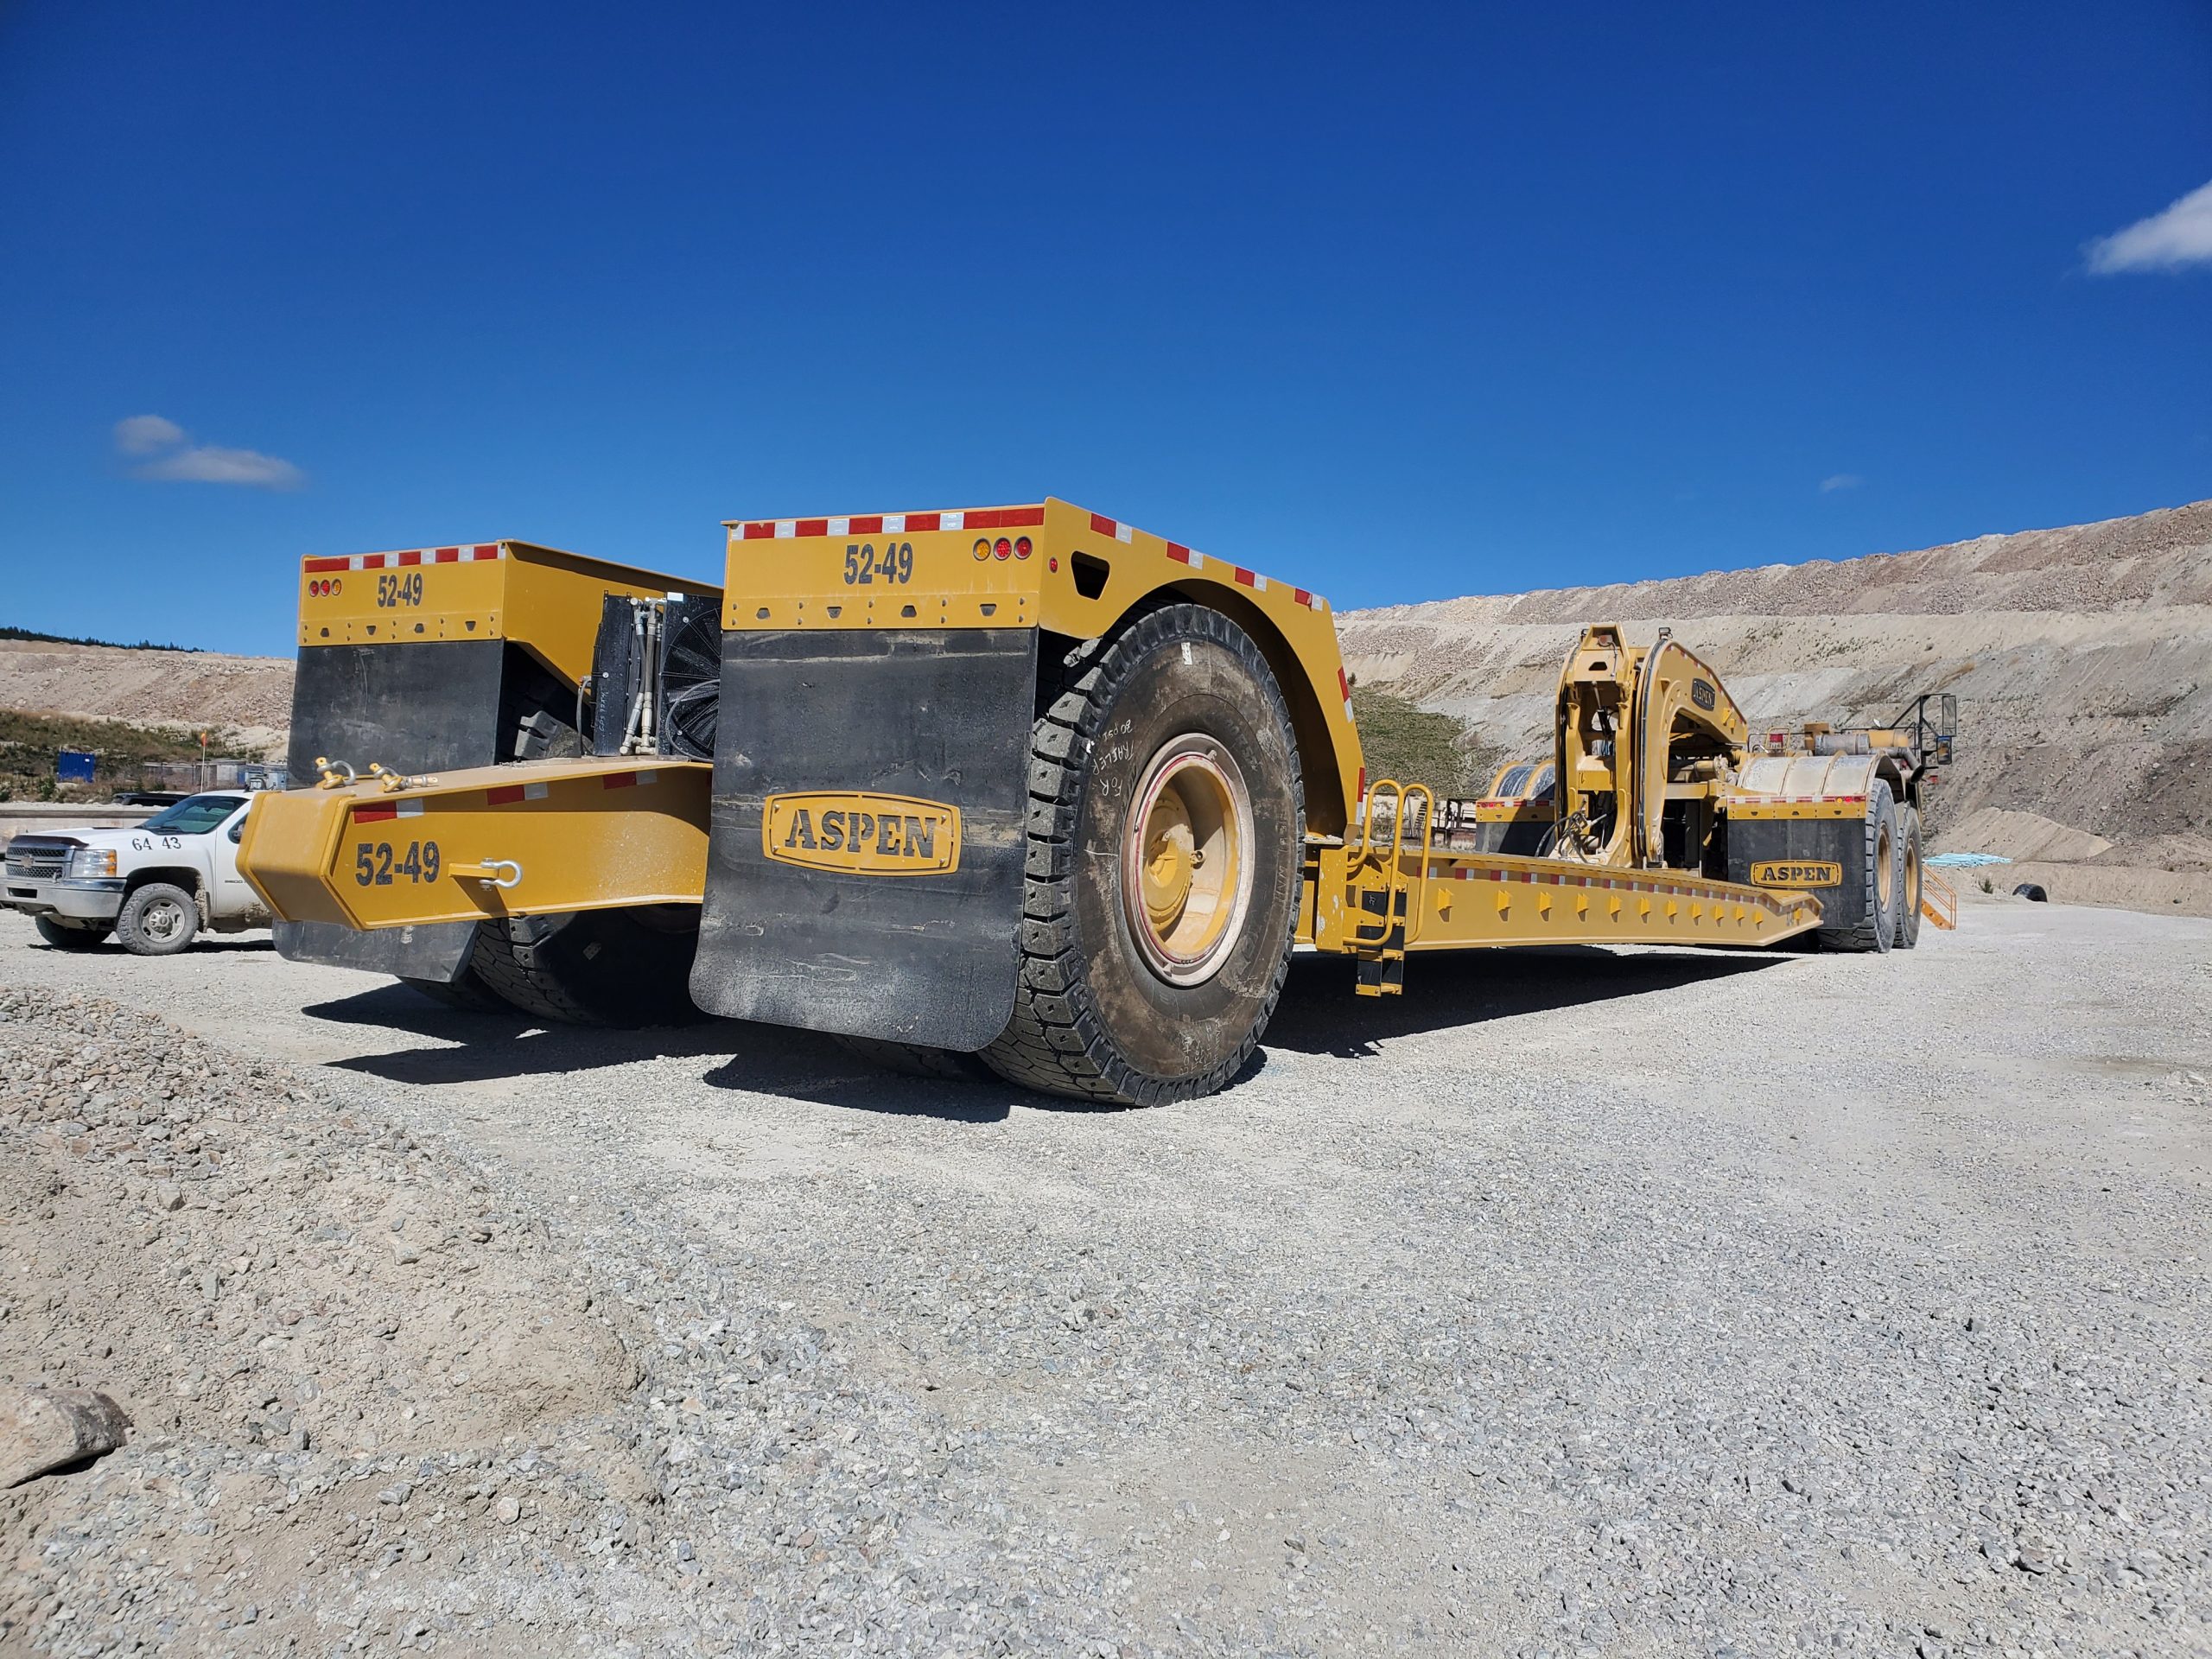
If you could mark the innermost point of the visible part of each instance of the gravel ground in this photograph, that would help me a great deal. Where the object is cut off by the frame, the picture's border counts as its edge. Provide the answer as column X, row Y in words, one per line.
column 1579, row 1302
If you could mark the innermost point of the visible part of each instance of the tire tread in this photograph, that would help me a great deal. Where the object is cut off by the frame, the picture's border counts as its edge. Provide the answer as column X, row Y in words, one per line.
column 1869, row 930
column 1055, row 1041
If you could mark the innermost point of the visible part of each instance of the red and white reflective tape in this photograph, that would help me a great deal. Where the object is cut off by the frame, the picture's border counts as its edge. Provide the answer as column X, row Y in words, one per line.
column 378, row 812
column 628, row 779
column 913, row 524
column 1801, row 800
column 507, row 794
column 1547, row 879
column 1196, row 561
column 400, row 561
column 891, row 524
column 1344, row 685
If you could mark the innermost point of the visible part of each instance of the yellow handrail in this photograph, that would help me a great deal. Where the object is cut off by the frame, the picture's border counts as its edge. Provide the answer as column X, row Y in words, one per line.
column 1938, row 903
column 1416, row 893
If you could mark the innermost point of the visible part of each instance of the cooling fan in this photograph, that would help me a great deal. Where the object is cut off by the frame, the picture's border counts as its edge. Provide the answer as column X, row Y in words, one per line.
column 690, row 676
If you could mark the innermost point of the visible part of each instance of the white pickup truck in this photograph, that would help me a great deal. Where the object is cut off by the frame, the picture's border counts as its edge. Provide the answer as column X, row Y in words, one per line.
column 153, row 885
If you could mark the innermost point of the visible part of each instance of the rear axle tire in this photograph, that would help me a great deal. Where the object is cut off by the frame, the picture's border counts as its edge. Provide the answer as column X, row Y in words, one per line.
column 1164, row 865
column 1908, row 930
column 625, row 967
column 1881, row 885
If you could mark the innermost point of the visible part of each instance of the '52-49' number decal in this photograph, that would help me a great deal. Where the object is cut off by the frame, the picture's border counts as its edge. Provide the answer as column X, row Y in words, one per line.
column 864, row 566
column 375, row 865
column 392, row 592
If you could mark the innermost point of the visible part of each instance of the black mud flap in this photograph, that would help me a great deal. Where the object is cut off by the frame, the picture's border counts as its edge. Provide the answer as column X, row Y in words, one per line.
column 415, row 708
column 1753, row 843
column 940, row 716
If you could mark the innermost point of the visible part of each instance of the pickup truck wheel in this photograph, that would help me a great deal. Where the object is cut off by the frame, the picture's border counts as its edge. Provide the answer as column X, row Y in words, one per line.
column 1164, row 866
column 157, row 921
column 73, row 936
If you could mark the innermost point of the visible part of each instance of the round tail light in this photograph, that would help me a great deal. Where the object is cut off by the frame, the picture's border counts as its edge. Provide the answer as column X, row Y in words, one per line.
column 1022, row 548
column 1002, row 548
column 982, row 547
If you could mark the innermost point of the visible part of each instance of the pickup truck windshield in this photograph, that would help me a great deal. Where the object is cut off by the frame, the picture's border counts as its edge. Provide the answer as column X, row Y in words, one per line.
column 196, row 816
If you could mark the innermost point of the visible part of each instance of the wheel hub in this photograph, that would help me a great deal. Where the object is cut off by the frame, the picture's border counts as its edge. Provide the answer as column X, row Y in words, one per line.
column 1186, row 860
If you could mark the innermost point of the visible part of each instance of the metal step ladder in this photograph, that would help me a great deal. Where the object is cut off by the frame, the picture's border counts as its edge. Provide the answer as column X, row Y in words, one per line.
column 1938, row 903
column 1385, row 901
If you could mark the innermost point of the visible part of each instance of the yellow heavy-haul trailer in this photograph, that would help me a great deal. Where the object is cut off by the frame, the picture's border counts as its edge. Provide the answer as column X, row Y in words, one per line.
column 465, row 655
column 1032, row 784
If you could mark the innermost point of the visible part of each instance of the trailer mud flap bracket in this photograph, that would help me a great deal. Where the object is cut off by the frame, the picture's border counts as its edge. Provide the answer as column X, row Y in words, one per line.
column 915, row 742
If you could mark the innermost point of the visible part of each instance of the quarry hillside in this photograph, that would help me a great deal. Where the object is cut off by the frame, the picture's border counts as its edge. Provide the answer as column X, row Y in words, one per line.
column 2082, row 658
column 252, row 695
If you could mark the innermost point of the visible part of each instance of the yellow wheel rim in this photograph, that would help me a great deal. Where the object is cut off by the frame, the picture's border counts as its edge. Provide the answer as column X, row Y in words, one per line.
column 1186, row 860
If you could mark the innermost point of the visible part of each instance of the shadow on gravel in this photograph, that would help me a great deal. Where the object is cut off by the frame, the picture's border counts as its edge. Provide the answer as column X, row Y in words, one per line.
column 851, row 1084
column 203, row 947
column 494, row 1046
column 1320, row 1012
column 471, row 1047
column 858, row 1086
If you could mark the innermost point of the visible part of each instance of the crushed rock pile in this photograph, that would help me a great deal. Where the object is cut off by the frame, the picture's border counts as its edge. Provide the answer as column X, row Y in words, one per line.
column 380, row 1405
column 359, row 1380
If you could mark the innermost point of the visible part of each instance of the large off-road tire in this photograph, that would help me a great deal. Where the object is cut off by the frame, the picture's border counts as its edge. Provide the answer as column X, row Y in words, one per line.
column 1909, row 881
column 625, row 967
column 73, row 936
column 157, row 919
column 1167, row 832
column 467, row 995
column 1882, row 886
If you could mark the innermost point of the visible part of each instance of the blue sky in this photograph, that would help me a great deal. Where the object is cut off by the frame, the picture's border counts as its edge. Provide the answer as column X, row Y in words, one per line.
column 1400, row 304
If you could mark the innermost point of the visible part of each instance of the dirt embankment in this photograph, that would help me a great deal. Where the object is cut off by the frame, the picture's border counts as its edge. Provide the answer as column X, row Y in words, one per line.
column 2082, row 658
column 252, row 696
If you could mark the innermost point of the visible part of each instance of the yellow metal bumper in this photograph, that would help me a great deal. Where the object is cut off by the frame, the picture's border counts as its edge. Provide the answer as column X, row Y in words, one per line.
column 1455, row 900
column 491, row 841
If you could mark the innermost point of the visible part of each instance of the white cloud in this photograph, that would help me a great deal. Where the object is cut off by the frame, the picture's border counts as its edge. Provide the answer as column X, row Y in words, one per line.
column 2180, row 236
column 1835, row 481
column 206, row 464
column 143, row 434
column 172, row 458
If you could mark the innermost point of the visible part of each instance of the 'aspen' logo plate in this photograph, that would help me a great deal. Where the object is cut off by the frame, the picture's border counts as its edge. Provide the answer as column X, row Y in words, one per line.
column 860, row 834
column 1782, row 873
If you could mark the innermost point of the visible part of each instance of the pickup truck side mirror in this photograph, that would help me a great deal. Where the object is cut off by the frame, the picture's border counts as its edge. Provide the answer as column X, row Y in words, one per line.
column 238, row 829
